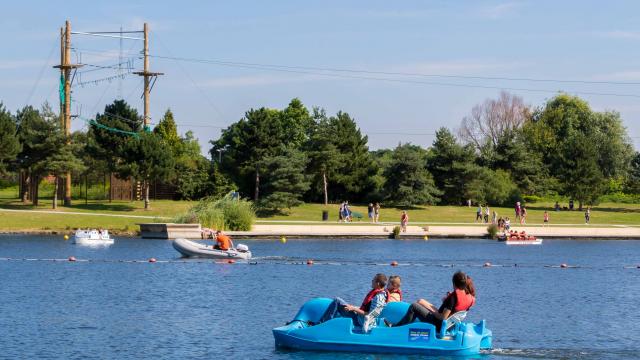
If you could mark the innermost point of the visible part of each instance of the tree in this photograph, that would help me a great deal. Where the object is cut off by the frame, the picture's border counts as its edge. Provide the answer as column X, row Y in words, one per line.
column 168, row 131
column 355, row 177
column 147, row 159
column 408, row 182
column 527, row 170
column 60, row 162
column 450, row 164
column 109, row 135
column 41, row 135
column 489, row 186
column 489, row 121
column 579, row 147
column 262, row 133
column 284, row 180
column 9, row 143
column 632, row 184
column 192, row 170
column 325, row 159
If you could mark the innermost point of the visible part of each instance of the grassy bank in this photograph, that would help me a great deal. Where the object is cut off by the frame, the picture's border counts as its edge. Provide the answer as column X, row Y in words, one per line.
column 610, row 214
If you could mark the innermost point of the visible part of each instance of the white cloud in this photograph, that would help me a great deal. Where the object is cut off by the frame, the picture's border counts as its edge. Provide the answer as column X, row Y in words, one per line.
column 621, row 34
column 258, row 80
column 619, row 76
column 459, row 67
column 500, row 11
column 20, row 64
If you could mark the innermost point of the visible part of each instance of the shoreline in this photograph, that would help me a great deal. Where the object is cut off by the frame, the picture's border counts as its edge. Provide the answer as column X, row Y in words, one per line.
column 374, row 231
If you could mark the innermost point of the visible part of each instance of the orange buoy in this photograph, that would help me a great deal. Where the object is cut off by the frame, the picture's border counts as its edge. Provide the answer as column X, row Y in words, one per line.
column 231, row 261
column 152, row 260
column 309, row 262
column 487, row 264
column 394, row 263
column 72, row 258
column 564, row 266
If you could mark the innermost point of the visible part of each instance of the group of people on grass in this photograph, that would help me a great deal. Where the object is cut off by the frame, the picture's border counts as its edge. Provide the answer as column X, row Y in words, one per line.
column 462, row 298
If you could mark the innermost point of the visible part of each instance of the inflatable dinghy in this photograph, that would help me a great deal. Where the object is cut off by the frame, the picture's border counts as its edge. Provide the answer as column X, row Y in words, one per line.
column 455, row 338
column 190, row 248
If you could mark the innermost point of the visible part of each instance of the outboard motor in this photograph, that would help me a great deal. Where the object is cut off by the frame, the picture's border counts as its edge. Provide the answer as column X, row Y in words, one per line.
column 242, row 248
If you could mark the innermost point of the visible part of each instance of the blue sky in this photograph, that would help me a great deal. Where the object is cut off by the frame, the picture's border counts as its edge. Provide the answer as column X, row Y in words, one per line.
column 560, row 40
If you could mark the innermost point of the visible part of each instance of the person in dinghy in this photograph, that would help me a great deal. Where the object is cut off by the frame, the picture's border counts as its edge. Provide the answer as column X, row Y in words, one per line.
column 462, row 298
column 223, row 241
column 365, row 315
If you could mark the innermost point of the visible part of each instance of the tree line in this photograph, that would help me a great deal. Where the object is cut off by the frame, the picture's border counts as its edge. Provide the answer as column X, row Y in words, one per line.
column 503, row 151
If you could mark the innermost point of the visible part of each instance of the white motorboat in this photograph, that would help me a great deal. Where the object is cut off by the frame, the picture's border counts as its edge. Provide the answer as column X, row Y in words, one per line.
column 190, row 248
column 92, row 237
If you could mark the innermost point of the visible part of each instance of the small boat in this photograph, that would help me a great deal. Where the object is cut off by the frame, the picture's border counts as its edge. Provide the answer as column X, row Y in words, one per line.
column 534, row 241
column 516, row 238
column 190, row 248
column 455, row 338
column 92, row 237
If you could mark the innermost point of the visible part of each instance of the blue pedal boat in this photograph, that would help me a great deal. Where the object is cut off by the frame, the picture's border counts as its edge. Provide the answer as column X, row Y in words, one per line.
column 455, row 338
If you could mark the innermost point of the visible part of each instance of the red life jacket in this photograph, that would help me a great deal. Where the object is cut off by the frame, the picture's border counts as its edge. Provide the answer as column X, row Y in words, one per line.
column 464, row 301
column 396, row 291
column 366, row 303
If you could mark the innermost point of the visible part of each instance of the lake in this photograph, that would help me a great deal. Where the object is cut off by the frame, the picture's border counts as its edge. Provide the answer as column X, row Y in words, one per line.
column 112, row 308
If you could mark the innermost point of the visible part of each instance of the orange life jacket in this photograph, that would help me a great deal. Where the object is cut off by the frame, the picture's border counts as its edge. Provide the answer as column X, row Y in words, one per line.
column 223, row 241
column 464, row 301
column 396, row 291
column 366, row 303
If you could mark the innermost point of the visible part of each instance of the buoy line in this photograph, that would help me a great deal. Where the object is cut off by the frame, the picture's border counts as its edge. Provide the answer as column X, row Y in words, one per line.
column 310, row 262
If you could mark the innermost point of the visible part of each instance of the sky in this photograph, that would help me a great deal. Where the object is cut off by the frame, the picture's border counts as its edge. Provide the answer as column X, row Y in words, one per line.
column 400, row 69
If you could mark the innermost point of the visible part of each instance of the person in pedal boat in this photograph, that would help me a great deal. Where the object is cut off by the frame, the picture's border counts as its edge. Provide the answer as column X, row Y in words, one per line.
column 223, row 242
column 368, row 312
column 462, row 298
column 393, row 289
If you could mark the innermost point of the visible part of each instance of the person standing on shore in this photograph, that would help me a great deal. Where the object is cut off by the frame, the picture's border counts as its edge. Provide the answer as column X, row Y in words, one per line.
column 376, row 212
column 523, row 216
column 546, row 218
column 587, row 215
column 487, row 212
column 404, row 220
column 479, row 213
column 518, row 210
column 370, row 212
column 494, row 217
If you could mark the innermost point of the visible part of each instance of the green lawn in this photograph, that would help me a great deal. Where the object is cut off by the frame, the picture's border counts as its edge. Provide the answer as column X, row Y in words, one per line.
column 605, row 214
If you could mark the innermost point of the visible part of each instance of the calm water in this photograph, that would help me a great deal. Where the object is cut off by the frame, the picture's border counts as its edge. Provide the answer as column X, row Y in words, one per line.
column 111, row 309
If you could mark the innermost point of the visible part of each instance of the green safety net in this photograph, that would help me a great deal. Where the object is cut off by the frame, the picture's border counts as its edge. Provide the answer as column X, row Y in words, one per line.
column 61, row 89
column 108, row 128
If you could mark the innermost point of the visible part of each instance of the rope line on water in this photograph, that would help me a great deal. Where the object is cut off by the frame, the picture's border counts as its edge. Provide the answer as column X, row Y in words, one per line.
column 312, row 262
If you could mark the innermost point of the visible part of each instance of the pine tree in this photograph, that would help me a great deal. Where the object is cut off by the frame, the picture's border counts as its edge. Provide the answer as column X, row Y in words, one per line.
column 408, row 182
column 9, row 143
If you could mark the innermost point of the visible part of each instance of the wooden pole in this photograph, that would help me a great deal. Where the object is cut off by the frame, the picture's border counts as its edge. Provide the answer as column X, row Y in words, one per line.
column 147, row 117
column 67, row 103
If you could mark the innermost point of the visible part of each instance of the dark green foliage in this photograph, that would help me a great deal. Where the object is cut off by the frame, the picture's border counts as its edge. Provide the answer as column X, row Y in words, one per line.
column 109, row 146
column 260, row 134
column 632, row 184
column 492, row 231
column 580, row 148
column 39, row 136
column 283, row 181
column 168, row 131
column 146, row 159
column 407, row 180
column 451, row 165
column 9, row 143
column 488, row 186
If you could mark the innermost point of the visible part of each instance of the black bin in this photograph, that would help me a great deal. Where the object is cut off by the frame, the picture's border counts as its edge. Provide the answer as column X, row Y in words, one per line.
column 325, row 215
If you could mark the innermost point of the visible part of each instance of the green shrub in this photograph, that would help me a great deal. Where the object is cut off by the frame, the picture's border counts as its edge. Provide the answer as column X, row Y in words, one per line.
column 396, row 232
column 620, row 198
column 492, row 231
column 221, row 214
